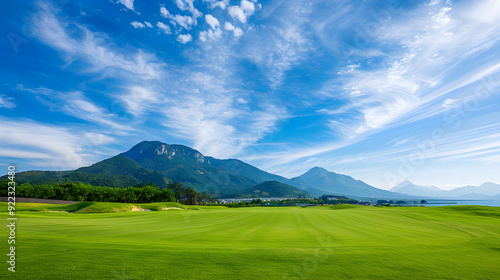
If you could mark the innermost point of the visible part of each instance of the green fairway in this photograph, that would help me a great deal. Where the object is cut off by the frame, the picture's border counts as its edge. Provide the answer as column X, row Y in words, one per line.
column 460, row 242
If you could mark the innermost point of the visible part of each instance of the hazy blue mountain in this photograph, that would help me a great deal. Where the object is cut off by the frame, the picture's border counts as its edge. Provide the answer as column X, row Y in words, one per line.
column 331, row 182
column 495, row 197
column 489, row 189
column 408, row 187
column 484, row 191
column 272, row 189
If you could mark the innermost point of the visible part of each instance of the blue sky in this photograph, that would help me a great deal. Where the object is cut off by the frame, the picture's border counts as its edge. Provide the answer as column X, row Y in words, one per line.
column 380, row 90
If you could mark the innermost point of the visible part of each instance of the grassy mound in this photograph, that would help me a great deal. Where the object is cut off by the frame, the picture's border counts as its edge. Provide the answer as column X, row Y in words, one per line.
column 92, row 207
column 344, row 206
column 159, row 206
column 487, row 211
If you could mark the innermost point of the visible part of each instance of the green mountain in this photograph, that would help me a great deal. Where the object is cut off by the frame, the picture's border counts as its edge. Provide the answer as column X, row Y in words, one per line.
column 205, row 174
column 118, row 171
column 272, row 189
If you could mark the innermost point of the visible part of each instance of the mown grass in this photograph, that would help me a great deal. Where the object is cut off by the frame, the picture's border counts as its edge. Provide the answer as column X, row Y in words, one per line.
column 344, row 206
column 90, row 207
column 260, row 243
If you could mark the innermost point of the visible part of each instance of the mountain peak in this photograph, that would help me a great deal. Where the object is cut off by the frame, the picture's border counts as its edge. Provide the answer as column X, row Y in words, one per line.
column 318, row 170
column 405, row 183
column 149, row 149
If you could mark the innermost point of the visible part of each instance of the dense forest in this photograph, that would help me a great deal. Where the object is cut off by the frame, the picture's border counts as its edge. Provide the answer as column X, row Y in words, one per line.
column 175, row 192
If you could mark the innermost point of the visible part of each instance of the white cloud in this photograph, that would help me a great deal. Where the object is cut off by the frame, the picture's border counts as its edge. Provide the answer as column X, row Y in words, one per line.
column 163, row 27
column 214, row 4
column 137, row 24
column 286, row 44
column 241, row 100
column 237, row 31
column 56, row 147
column 349, row 69
column 210, row 34
column 76, row 104
column 185, row 21
column 99, row 138
column 92, row 47
column 485, row 11
column 228, row 26
column 211, row 124
column 243, row 11
column 139, row 100
column 213, row 33
column 127, row 3
column 6, row 102
column 449, row 103
column 212, row 21
column 247, row 7
column 164, row 12
column 187, row 5
column 237, row 12
column 148, row 24
column 184, row 38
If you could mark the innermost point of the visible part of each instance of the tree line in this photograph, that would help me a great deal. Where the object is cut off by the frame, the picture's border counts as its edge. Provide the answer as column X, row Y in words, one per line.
column 175, row 192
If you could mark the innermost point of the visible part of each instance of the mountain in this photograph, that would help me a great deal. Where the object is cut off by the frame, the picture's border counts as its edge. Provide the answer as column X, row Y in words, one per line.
column 160, row 163
column 495, row 197
column 118, row 171
column 489, row 189
column 205, row 174
column 334, row 183
column 484, row 191
column 301, row 184
column 408, row 187
column 272, row 189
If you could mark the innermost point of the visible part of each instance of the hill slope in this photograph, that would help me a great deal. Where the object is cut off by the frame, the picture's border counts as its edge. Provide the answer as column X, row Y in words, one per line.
column 332, row 182
column 272, row 189
column 118, row 171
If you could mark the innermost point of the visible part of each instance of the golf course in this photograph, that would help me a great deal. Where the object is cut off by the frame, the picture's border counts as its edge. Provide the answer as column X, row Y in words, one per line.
column 211, row 242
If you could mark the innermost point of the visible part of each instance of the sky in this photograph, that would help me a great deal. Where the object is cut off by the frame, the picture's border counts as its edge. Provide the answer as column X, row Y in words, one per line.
column 382, row 91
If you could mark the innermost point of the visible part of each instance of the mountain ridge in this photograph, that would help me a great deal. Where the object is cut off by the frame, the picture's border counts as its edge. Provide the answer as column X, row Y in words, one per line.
column 161, row 163
column 483, row 191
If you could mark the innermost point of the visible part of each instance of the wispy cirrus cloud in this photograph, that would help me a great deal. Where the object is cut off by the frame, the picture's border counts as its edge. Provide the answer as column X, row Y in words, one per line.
column 51, row 146
column 7, row 102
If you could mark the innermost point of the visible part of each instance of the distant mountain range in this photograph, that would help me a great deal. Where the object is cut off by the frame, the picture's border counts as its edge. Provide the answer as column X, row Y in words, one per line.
column 484, row 191
column 160, row 163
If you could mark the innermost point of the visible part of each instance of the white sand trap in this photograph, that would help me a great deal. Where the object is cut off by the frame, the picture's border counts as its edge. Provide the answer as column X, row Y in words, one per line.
column 135, row 208
column 168, row 208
